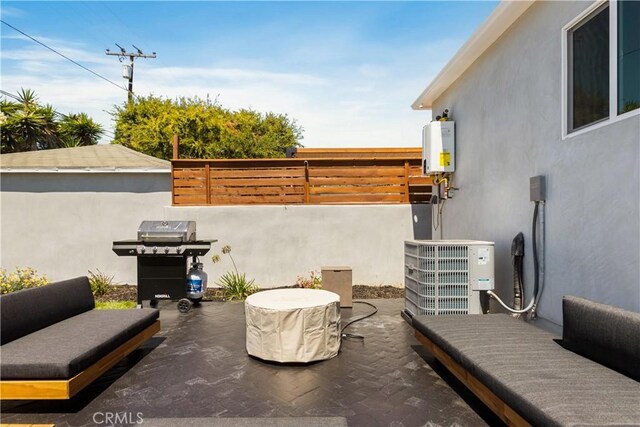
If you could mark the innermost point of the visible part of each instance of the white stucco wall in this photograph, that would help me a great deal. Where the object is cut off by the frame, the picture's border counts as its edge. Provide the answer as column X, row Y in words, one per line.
column 507, row 109
column 275, row 244
column 64, row 225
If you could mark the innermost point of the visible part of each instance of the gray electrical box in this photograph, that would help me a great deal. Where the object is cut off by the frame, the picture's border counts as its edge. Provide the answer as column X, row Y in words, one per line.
column 537, row 188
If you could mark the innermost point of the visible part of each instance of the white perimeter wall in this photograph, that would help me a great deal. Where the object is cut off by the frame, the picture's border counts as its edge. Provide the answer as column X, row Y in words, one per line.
column 275, row 244
column 507, row 109
column 64, row 224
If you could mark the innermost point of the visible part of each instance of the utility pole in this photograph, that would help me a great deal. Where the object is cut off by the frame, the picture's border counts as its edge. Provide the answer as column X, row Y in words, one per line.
column 127, row 69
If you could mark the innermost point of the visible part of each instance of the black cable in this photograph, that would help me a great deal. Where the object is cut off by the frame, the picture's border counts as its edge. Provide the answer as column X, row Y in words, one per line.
column 534, row 244
column 355, row 337
column 64, row 56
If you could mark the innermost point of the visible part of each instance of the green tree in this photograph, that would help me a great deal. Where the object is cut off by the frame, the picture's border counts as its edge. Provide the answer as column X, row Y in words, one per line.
column 79, row 129
column 206, row 129
column 26, row 125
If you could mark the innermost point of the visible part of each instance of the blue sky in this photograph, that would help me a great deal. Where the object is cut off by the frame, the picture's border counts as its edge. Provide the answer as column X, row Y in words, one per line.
column 346, row 71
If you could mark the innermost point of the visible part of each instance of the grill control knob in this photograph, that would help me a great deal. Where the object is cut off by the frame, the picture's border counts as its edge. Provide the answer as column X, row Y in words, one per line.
column 166, row 249
column 155, row 249
column 143, row 249
column 178, row 250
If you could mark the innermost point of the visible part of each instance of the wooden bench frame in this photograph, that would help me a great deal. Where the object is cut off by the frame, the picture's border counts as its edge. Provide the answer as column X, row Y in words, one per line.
column 493, row 402
column 66, row 389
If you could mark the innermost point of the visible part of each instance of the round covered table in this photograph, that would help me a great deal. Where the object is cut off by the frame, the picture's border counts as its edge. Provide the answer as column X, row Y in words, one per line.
column 293, row 325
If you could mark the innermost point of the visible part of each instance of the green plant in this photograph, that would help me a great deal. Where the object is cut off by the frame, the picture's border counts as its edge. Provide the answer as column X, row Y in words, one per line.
column 22, row 278
column 236, row 286
column 28, row 125
column 115, row 305
column 100, row 283
column 314, row 281
column 206, row 129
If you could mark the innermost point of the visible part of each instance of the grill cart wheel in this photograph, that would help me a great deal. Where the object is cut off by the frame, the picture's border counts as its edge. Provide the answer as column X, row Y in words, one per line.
column 184, row 305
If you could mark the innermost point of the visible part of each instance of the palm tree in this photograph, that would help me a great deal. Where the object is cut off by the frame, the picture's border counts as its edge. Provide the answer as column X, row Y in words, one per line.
column 27, row 126
column 22, row 124
column 79, row 129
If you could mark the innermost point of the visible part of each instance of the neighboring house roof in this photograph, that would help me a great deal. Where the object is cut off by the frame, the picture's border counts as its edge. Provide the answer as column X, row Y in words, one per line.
column 503, row 16
column 93, row 158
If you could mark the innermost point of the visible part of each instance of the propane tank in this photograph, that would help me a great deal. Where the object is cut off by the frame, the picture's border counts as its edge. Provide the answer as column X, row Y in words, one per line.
column 196, row 282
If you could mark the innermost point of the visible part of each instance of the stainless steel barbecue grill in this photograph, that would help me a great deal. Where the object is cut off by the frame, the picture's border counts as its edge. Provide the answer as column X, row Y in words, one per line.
column 162, row 249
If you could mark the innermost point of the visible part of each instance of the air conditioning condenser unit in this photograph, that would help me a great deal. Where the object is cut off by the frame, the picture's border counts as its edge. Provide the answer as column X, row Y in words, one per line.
column 444, row 277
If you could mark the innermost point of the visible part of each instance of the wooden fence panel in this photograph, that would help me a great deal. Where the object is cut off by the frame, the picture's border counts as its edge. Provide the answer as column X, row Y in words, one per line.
column 341, row 180
column 257, row 185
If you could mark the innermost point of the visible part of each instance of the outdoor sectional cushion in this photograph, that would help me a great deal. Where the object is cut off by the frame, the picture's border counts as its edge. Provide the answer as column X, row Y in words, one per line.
column 524, row 367
column 66, row 348
column 605, row 334
column 30, row 310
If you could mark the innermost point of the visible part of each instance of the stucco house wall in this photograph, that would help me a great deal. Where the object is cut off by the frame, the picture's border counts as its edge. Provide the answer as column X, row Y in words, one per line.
column 507, row 109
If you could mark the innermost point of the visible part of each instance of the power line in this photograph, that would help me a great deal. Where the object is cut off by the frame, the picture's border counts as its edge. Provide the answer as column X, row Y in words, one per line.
column 64, row 56
column 10, row 95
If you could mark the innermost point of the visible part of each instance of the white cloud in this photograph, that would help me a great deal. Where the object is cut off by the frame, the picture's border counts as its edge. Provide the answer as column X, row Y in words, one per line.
column 360, row 105
column 11, row 12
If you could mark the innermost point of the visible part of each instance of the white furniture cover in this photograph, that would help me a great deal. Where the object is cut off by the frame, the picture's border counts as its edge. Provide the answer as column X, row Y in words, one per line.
column 293, row 325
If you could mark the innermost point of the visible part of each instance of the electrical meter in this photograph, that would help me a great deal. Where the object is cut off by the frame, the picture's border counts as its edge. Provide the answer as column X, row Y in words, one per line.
column 438, row 147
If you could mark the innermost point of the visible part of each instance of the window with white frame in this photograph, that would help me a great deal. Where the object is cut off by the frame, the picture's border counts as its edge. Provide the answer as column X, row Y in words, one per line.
column 602, row 64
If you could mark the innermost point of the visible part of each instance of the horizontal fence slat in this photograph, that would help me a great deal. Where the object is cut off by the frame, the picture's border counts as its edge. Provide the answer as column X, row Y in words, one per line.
column 263, row 173
column 257, row 199
column 257, row 181
column 189, row 173
column 189, row 199
column 356, row 171
column 401, row 153
column 201, row 183
column 283, row 189
column 389, row 180
column 355, row 198
column 357, row 189
column 420, row 180
column 290, row 162
column 189, row 191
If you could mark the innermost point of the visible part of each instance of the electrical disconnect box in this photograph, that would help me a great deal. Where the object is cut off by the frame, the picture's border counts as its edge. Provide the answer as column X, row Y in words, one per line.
column 438, row 147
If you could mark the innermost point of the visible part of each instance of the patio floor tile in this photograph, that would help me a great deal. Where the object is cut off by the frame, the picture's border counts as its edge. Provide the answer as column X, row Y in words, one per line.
column 197, row 367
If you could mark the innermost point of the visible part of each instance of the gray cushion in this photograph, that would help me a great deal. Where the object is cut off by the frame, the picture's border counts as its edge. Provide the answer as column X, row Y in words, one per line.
column 66, row 348
column 522, row 365
column 605, row 334
column 30, row 310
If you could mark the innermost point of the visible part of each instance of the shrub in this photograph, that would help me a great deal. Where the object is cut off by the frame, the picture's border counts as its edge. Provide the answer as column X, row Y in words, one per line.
column 236, row 286
column 22, row 278
column 100, row 283
column 314, row 281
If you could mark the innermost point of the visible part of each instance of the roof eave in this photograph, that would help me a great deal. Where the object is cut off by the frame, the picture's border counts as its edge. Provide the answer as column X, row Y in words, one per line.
column 504, row 15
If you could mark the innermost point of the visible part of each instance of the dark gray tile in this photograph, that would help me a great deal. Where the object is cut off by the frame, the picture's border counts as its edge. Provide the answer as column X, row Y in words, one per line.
column 197, row 367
